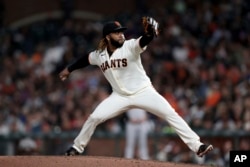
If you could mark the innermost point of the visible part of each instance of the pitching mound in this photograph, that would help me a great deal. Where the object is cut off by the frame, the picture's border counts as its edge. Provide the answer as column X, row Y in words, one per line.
column 81, row 161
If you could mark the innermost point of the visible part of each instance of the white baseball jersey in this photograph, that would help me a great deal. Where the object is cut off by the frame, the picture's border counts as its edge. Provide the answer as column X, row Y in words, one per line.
column 128, row 81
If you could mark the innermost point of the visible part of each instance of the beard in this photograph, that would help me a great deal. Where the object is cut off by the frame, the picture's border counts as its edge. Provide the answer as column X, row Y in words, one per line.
column 115, row 43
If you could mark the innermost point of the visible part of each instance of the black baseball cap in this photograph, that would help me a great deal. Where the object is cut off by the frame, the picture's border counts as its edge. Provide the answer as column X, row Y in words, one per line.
column 113, row 26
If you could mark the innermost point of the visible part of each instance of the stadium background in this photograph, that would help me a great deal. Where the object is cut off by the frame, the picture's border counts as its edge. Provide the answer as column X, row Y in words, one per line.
column 200, row 63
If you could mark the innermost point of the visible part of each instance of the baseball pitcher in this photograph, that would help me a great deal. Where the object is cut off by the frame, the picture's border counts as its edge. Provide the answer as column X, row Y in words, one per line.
column 120, row 62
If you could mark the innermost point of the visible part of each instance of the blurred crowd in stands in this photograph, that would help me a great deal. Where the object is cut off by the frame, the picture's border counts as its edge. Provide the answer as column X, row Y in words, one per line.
column 200, row 63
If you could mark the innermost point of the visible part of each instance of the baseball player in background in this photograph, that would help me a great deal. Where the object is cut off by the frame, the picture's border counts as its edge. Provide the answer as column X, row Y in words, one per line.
column 120, row 61
column 137, row 131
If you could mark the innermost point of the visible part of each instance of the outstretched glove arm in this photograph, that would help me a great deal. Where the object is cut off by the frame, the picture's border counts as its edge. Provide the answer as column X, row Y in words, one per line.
column 151, row 30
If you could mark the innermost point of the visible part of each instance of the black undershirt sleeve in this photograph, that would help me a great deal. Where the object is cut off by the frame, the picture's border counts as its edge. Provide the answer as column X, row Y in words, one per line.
column 80, row 62
column 146, row 39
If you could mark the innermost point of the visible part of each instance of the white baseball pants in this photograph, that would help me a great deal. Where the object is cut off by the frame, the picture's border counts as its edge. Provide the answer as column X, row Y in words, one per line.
column 148, row 99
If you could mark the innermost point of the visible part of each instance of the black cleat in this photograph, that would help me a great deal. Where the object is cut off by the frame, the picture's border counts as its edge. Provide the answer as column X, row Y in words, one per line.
column 204, row 149
column 72, row 152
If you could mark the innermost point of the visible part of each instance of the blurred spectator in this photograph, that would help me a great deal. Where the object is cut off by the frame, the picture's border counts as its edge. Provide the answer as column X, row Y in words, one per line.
column 227, row 147
column 138, row 127
column 246, row 121
column 215, row 159
column 27, row 146
column 164, row 153
column 237, row 114
column 244, row 144
column 223, row 118
column 173, row 152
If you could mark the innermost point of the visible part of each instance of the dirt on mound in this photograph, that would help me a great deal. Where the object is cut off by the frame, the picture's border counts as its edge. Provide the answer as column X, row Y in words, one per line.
column 82, row 161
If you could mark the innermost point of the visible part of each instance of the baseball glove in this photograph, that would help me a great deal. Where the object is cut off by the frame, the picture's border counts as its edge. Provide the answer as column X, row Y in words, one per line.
column 150, row 26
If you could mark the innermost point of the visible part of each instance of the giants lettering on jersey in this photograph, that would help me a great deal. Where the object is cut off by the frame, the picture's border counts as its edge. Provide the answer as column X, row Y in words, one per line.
column 114, row 63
